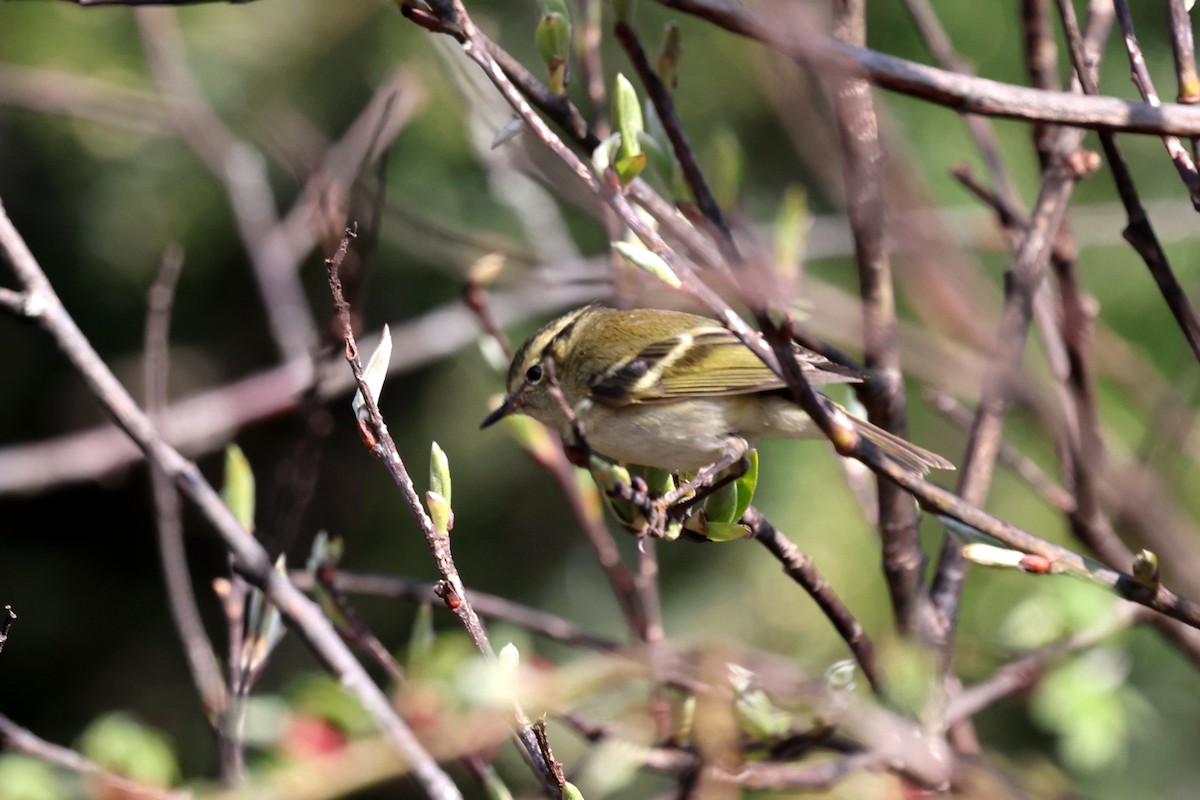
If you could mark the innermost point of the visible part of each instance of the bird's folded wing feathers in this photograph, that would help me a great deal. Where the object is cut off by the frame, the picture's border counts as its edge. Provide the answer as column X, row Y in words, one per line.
column 706, row 361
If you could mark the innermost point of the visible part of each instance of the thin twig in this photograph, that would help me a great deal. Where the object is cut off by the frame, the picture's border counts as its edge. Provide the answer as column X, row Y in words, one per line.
column 201, row 657
column 664, row 105
column 20, row 740
column 486, row 605
column 1139, row 232
column 451, row 588
column 1180, row 157
column 799, row 566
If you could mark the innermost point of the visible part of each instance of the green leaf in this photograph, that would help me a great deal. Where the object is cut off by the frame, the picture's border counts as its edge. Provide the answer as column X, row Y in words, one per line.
column 374, row 373
column 122, row 745
column 627, row 119
column 648, row 261
column 238, row 489
column 670, row 55
column 26, row 778
column 439, row 472
column 724, row 531
column 746, row 484
column 792, row 224
column 553, row 40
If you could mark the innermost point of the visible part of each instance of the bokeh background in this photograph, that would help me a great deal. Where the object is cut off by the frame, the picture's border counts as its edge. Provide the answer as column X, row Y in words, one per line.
column 100, row 188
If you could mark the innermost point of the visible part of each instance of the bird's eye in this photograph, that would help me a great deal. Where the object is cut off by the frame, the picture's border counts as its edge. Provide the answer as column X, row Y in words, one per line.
column 534, row 373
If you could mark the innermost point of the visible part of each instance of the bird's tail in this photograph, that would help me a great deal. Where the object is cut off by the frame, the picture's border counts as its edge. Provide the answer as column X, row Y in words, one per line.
column 903, row 452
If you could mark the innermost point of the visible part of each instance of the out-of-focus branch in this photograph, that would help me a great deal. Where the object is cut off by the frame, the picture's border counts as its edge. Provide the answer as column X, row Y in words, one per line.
column 862, row 166
column 20, row 740
column 1026, row 275
column 55, row 92
column 242, row 171
column 487, row 605
column 963, row 93
column 209, row 419
column 201, row 657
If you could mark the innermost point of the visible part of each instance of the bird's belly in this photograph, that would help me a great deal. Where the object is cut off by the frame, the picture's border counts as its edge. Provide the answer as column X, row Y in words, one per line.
column 664, row 435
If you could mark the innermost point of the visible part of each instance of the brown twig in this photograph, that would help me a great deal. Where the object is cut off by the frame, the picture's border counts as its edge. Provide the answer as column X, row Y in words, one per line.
column 20, row 740
column 486, row 605
column 1180, row 157
column 965, row 94
column 1041, row 58
column 451, row 588
column 799, row 566
column 1184, row 49
column 201, row 657
column 664, row 104
column 1139, row 232
column 206, row 420
column 862, row 163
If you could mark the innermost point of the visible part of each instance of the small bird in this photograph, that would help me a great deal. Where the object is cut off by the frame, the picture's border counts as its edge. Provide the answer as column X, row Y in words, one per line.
column 671, row 390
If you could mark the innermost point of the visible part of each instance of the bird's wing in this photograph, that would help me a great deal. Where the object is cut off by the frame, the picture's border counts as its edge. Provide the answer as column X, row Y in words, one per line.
column 705, row 361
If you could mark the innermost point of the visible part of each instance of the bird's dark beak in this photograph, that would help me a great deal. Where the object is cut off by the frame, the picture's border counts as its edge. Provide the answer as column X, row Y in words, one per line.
column 506, row 408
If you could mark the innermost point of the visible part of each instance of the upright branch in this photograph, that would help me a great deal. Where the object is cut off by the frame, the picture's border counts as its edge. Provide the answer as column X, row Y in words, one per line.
column 800, row 568
column 1180, row 157
column 1138, row 232
column 664, row 104
column 201, row 657
column 863, row 167
column 1023, row 281
column 451, row 588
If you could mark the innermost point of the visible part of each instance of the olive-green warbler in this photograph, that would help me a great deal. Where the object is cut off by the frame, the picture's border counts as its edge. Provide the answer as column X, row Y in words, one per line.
column 671, row 390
